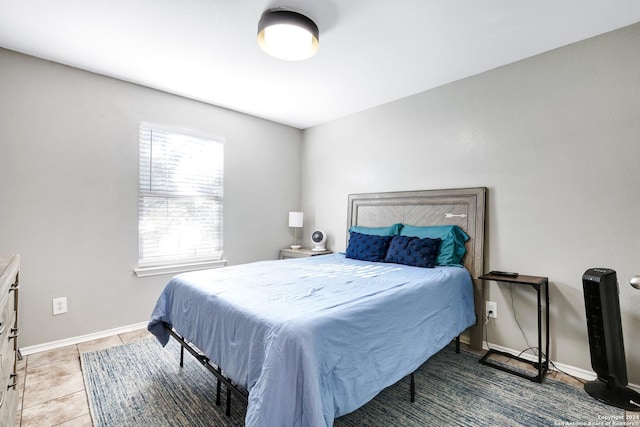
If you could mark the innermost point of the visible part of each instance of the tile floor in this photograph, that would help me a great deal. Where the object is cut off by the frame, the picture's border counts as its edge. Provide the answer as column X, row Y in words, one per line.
column 51, row 387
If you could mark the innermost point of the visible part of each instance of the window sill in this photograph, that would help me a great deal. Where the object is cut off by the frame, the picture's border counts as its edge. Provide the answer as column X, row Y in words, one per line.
column 178, row 268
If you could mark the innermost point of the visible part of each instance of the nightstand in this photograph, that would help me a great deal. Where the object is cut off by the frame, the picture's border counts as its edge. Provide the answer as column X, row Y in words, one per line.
column 539, row 284
column 300, row 253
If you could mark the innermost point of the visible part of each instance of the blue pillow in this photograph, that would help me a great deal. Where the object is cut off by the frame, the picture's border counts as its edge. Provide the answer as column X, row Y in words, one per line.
column 392, row 230
column 413, row 251
column 452, row 248
column 367, row 247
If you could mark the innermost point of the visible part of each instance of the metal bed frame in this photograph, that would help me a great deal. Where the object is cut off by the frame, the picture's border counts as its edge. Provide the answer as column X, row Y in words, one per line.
column 214, row 369
column 239, row 391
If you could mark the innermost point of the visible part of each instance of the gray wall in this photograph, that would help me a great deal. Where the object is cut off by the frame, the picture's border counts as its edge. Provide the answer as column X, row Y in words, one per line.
column 68, row 191
column 555, row 138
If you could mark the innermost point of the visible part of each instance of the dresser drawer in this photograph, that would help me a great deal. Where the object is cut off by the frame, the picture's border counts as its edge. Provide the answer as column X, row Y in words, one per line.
column 7, row 358
column 8, row 407
column 7, row 314
column 9, row 276
column 7, row 379
column 9, row 270
column 8, row 279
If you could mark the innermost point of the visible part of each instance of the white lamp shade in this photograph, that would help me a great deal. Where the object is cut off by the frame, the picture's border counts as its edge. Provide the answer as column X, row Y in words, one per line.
column 295, row 219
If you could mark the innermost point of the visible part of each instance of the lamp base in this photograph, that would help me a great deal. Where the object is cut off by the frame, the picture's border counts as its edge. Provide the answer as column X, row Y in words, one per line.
column 294, row 247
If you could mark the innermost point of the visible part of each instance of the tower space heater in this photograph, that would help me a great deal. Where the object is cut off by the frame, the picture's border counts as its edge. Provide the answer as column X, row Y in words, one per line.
column 602, row 306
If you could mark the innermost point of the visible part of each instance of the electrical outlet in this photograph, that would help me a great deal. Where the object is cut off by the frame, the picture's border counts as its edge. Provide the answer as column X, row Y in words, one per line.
column 492, row 309
column 59, row 305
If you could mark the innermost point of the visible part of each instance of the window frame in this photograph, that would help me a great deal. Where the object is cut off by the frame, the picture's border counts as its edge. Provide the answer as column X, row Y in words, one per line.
column 177, row 265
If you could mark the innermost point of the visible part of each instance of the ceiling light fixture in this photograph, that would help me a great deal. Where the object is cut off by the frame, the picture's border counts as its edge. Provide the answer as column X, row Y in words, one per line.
column 287, row 35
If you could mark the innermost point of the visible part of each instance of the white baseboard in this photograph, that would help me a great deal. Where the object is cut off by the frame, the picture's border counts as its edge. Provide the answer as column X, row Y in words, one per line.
column 83, row 338
column 567, row 369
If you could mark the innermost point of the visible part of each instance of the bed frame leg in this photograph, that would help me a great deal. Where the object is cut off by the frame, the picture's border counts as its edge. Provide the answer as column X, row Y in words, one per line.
column 218, row 384
column 213, row 369
column 412, row 388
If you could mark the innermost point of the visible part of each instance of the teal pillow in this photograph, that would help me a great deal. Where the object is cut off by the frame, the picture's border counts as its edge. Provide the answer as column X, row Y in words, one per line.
column 392, row 230
column 452, row 248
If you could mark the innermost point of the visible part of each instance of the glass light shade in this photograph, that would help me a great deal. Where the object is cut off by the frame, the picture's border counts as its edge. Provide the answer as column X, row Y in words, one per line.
column 287, row 35
column 295, row 219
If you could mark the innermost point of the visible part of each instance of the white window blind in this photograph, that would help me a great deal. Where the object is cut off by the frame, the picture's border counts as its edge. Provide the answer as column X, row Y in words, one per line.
column 181, row 198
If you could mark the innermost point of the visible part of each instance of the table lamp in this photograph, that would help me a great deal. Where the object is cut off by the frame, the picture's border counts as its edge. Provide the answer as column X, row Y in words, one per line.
column 295, row 221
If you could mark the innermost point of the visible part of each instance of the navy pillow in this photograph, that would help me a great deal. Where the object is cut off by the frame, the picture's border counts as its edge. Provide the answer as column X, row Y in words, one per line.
column 452, row 248
column 367, row 247
column 413, row 251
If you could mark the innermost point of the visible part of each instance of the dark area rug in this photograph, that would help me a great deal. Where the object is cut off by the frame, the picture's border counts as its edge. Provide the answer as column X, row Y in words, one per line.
column 142, row 384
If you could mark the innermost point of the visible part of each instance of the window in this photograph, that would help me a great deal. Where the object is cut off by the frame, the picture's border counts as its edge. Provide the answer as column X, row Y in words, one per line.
column 180, row 202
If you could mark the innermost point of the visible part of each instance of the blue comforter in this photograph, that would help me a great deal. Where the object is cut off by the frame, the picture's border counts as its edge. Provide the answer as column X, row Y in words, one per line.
column 315, row 338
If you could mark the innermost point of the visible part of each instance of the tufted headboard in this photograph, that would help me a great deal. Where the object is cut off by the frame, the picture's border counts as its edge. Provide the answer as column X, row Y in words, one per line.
column 464, row 207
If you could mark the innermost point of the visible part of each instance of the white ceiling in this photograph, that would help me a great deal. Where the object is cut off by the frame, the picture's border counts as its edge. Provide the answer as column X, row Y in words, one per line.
column 371, row 51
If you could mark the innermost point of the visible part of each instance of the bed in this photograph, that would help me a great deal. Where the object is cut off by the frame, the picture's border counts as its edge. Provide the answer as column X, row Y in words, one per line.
column 310, row 339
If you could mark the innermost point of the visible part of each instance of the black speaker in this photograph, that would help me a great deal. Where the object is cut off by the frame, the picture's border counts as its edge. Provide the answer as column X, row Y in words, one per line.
column 602, row 307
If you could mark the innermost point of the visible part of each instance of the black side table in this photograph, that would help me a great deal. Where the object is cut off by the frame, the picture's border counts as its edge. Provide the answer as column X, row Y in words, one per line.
column 538, row 283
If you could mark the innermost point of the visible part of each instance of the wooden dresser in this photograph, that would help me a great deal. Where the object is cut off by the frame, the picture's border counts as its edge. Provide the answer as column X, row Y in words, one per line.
column 9, row 272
